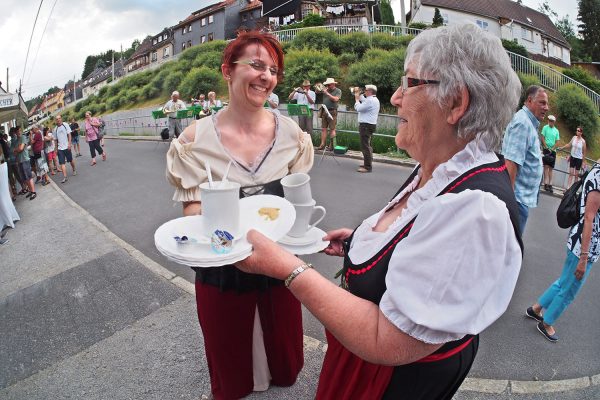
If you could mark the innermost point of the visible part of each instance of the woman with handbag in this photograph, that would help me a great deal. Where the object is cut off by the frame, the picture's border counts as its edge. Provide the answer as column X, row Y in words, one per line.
column 93, row 137
column 37, row 146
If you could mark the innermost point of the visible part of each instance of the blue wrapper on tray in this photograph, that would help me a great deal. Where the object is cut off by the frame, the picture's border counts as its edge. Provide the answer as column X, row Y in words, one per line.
column 221, row 242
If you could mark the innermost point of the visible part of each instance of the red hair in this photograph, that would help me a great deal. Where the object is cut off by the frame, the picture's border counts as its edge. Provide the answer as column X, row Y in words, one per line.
column 237, row 46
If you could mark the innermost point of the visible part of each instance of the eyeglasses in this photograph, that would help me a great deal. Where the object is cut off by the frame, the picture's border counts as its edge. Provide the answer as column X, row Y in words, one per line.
column 260, row 66
column 412, row 82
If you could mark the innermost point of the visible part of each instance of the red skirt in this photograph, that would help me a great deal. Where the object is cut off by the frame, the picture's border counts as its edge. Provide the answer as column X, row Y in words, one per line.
column 438, row 376
column 227, row 320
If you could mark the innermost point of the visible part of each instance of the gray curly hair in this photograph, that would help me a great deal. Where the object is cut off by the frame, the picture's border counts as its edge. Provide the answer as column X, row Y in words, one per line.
column 466, row 56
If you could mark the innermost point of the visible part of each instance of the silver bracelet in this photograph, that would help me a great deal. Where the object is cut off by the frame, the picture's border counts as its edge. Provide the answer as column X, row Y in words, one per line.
column 300, row 269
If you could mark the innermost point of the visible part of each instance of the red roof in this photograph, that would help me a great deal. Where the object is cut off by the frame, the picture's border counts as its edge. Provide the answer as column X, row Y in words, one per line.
column 252, row 5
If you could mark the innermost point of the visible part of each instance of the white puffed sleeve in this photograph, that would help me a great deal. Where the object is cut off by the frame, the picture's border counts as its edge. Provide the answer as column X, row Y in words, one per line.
column 184, row 171
column 456, row 271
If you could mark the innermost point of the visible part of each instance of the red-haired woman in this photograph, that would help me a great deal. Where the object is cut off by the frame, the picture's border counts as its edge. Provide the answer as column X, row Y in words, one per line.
column 252, row 325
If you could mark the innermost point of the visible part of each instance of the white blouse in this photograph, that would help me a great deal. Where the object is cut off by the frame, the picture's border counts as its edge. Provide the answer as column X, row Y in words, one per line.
column 456, row 271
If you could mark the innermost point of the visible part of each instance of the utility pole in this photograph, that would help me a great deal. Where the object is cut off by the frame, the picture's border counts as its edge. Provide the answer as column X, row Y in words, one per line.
column 113, row 66
column 74, row 90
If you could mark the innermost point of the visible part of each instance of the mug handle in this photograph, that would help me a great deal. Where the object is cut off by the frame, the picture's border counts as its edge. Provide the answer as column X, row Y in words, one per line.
column 317, row 208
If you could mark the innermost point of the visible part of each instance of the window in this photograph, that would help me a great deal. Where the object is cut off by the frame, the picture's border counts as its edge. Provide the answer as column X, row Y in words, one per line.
column 482, row 24
column 203, row 22
column 154, row 41
column 527, row 34
column 154, row 56
column 211, row 19
column 244, row 17
column 211, row 37
column 166, row 52
column 183, row 46
column 190, row 28
column 183, row 30
column 189, row 44
column 202, row 39
column 558, row 51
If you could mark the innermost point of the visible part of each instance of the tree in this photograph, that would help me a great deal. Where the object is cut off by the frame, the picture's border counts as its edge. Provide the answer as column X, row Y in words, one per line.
column 438, row 20
column 589, row 27
column 313, row 20
column 565, row 27
column 545, row 8
column 387, row 15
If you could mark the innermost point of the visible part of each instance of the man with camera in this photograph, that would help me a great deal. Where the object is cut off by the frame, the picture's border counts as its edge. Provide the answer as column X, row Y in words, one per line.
column 367, row 106
column 304, row 96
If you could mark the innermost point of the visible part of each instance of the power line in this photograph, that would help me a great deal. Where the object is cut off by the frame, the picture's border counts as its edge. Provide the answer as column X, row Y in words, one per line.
column 41, row 38
column 31, row 37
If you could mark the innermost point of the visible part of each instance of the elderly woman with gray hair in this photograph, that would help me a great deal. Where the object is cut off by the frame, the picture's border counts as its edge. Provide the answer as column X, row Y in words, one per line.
column 438, row 263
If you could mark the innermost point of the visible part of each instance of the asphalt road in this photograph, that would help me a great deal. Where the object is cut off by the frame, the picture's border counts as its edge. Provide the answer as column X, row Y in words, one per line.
column 130, row 195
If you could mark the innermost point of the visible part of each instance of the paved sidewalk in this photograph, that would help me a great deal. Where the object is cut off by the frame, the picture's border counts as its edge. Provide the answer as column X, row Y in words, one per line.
column 85, row 315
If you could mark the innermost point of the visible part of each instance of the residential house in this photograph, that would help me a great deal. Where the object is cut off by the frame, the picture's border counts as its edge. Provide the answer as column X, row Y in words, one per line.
column 53, row 102
column 101, row 77
column 73, row 91
column 505, row 19
column 35, row 114
column 162, row 47
column 140, row 58
column 219, row 21
column 335, row 12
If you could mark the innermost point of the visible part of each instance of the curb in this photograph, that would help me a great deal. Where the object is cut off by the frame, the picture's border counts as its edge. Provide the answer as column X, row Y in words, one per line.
column 479, row 385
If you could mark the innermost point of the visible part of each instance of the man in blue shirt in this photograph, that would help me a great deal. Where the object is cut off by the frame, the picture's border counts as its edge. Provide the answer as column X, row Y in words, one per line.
column 521, row 150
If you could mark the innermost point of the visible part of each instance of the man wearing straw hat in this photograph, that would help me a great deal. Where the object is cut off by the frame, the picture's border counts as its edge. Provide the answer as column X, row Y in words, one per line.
column 328, row 113
column 367, row 107
column 304, row 96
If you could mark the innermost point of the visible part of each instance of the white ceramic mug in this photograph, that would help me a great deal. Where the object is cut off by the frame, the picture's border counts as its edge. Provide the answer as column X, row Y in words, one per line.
column 296, row 188
column 220, row 207
column 304, row 214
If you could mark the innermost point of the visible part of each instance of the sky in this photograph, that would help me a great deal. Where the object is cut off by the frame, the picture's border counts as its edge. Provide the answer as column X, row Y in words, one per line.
column 74, row 29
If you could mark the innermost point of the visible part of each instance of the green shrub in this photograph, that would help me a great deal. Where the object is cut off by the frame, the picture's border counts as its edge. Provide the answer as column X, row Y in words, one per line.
column 214, row 46
column 347, row 58
column 386, row 41
column 318, row 39
column 313, row 20
column 418, row 25
column 103, row 91
column 380, row 68
column 172, row 81
column 113, row 89
column 150, row 91
column 583, row 77
column 515, row 47
column 211, row 60
column 308, row 64
column 575, row 108
column 114, row 102
column 356, row 42
column 199, row 80
column 526, row 81
column 78, row 106
column 101, row 107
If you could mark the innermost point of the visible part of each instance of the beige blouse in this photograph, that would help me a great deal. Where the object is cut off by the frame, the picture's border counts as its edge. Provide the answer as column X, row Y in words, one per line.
column 292, row 152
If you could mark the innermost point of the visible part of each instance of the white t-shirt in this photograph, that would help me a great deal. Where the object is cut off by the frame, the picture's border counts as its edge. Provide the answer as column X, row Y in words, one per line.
column 302, row 98
column 455, row 273
column 61, row 134
column 577, row 147
column 273, row 98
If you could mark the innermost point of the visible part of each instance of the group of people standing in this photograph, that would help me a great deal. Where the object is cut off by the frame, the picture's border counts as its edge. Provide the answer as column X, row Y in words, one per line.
column 523, row 148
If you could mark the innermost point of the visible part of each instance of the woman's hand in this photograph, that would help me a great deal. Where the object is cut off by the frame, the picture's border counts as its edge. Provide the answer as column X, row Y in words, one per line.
column 580, row 270
column 336, row 241
column 268, row 258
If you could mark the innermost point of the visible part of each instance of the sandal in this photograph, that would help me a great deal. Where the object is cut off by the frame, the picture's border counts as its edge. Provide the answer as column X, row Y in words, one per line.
column 33, row 195
column 22, row 192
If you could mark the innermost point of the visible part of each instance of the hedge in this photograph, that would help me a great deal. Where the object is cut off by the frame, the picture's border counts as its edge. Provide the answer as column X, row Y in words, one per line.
column 575, row 108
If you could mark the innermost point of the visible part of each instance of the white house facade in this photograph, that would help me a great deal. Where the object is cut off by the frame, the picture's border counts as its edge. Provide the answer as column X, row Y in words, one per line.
column 503, row 18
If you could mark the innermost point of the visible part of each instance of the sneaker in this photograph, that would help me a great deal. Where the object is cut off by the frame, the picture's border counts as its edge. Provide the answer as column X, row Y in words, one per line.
column 65, row 179
column 29, row 194
column 74, row 173
column 533, row 315
column 33, row 196
column 543, row 331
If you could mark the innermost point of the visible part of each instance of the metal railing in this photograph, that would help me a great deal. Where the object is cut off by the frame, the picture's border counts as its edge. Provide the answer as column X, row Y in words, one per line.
column 549, row 77
column 288, row 35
